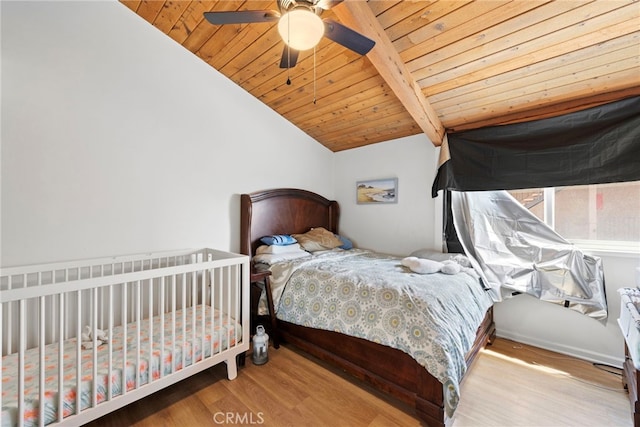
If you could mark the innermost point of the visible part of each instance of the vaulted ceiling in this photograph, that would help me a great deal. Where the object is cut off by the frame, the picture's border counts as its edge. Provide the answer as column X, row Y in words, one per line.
column 437, row 66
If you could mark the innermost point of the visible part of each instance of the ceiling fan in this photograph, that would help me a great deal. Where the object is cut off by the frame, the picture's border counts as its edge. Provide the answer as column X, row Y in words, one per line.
column 299, row 25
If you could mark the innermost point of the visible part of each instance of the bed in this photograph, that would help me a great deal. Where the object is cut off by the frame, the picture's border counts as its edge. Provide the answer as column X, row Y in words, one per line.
column 83, row 338
column 393, row 371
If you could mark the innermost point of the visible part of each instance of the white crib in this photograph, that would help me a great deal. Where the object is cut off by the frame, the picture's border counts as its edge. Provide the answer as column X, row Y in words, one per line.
column 99, row 334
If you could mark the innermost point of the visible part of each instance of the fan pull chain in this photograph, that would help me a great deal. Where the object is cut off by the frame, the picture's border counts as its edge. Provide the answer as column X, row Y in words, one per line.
column 314, row 75
column 288, row 65
column 288, row 52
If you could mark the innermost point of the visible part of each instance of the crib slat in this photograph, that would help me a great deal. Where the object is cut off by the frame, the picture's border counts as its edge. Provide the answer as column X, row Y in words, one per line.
column 221, row 299
column 228, row 330
column 184, row 319
column 193, row 317
column 94, row 336
column 124, row 341
column 237, row 309
column 41, row 365
column 138, row 326
column 78, row 351
column 21, row 350
column 110, row 308
column 173, row 320
column 238, row 292
column 150, row 317
column 219, row 306
column 212, row 305
column 161, row 303
column 61, row 328
column 232, row 302
column 217, row 303
column 203, row 303
column 225, row 274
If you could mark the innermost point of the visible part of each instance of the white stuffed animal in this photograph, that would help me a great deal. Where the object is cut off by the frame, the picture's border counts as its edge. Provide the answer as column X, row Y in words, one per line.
column 428, row 266
column 87, row 337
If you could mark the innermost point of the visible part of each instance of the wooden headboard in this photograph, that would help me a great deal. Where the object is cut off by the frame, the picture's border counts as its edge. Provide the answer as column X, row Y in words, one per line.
column 283, row 211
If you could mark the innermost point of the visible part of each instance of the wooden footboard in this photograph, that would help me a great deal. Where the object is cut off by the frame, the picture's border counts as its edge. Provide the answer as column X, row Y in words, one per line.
column 387, row 369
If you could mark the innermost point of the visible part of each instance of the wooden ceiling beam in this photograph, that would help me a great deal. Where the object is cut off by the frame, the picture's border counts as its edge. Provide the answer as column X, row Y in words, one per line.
column 358, row 16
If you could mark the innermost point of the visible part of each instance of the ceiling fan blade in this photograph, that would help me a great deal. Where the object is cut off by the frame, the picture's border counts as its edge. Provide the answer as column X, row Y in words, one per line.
column 327, row 4
column 289, row 57
column 241, row 17
column 347, row 37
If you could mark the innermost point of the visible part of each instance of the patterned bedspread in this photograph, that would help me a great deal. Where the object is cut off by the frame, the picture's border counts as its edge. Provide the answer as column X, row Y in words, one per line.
column 432, row 317
column 166, row 361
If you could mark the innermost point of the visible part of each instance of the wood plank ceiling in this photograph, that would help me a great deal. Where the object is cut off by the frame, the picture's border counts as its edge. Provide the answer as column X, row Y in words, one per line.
column 437, row 66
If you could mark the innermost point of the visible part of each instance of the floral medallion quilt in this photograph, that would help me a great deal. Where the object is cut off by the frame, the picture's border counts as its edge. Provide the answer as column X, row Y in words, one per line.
column 432, row 317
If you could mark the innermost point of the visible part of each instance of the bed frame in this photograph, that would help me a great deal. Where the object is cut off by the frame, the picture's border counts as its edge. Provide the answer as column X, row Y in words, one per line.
column 46, row 311
column 289, row 211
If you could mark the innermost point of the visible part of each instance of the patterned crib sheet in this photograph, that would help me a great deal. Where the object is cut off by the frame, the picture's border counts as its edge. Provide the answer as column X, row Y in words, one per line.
column 432, row 317
column 165, row 359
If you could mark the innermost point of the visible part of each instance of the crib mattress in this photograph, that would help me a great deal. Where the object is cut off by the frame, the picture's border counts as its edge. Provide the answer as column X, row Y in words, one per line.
column 167, row 358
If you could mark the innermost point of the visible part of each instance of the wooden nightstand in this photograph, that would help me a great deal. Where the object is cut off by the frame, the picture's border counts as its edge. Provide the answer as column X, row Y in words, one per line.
column 257, row 278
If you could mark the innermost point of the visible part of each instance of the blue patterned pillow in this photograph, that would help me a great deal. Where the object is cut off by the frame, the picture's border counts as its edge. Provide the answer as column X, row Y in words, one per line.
column 346, row 243
column 278, row 240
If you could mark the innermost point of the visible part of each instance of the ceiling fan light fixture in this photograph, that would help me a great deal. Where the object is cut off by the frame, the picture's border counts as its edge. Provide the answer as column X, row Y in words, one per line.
column 301, row 29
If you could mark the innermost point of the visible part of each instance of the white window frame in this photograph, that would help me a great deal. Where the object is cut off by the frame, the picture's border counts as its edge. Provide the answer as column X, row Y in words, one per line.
column 595, row 247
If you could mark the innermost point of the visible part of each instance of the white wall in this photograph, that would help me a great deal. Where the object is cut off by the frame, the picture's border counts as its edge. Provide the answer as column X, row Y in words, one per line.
column 392, row 228
column 116, row 140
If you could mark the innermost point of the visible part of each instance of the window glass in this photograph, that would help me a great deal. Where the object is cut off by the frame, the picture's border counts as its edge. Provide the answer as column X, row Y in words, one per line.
column 532, row 199
column 599, row 212
column 603, row 212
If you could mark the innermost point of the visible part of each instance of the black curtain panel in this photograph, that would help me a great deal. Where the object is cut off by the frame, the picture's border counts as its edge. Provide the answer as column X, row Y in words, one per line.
column 450, row 235
column 593, row 146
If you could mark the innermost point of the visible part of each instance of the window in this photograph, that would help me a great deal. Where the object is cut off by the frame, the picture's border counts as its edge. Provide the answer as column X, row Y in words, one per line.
column 603, row 216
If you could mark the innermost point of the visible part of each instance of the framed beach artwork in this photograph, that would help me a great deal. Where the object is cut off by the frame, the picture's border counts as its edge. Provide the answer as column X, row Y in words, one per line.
column 377, row 191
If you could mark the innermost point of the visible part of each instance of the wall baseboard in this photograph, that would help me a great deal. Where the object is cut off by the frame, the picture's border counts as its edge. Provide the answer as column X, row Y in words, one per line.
column 562, row 349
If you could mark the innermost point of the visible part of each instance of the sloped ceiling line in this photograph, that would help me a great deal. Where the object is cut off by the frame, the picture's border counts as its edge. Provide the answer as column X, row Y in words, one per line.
column 475, row 63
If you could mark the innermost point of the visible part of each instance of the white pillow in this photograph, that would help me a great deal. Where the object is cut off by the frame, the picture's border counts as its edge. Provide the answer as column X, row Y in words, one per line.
column 429, row 266
column 278, row 249
column 422, row 266
column 442, row 256
column 273, row 258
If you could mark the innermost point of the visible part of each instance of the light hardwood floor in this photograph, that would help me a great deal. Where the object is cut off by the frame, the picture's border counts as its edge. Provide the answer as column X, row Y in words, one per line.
column 510, row 384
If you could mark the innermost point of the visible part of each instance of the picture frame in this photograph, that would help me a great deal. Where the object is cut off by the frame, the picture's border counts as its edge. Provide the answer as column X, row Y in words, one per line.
column 377, row 191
